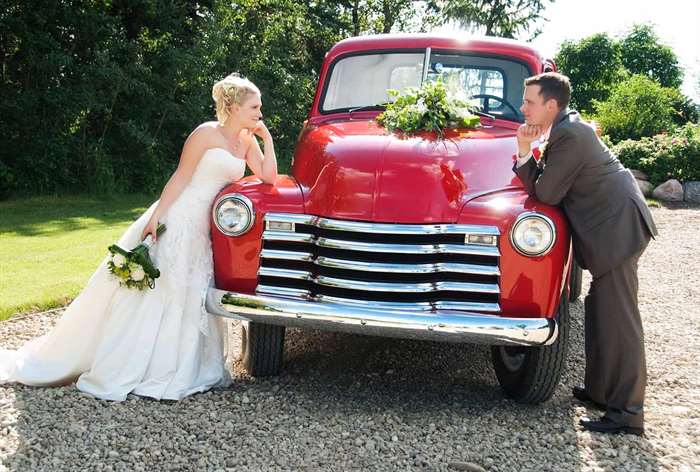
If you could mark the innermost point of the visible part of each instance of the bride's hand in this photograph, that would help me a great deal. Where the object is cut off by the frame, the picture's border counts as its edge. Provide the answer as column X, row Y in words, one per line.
column 262, row 131
column 151, row 228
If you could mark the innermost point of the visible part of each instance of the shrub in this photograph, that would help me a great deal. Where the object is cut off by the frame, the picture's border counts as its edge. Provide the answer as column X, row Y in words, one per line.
column 637, row 107
column 665, row 156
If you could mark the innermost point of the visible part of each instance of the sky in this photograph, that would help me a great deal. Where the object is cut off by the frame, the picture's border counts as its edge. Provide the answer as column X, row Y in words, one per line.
column 676, row 22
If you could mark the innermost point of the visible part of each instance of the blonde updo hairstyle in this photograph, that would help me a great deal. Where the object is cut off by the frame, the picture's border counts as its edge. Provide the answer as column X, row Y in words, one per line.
column 233, row 89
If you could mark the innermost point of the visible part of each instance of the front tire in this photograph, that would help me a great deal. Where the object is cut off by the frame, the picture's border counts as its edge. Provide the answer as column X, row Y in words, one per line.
column 531, row 374
column 262, row 348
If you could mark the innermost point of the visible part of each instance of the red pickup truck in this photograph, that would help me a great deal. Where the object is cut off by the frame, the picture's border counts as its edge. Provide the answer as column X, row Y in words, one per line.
column 412, row 236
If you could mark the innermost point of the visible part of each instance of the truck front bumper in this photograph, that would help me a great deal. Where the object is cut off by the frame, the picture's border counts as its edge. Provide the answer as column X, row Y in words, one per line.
column 441, row 325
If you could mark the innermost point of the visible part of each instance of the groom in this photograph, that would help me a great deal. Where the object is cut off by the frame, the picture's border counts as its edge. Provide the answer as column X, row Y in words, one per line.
column 611, row 226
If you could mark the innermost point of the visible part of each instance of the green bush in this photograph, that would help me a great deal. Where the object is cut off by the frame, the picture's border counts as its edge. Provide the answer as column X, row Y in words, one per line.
column 637, row 107
column 664, row 156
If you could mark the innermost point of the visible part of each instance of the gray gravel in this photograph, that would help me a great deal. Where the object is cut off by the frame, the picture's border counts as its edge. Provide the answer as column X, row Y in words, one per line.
column 348, row 402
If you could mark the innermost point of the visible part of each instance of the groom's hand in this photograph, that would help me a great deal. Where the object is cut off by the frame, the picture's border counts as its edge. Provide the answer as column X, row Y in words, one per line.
column 526, row 135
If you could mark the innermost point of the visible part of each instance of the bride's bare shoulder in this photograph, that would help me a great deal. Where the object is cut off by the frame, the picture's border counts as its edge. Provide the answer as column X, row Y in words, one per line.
column 206, row 132
column 207, row 128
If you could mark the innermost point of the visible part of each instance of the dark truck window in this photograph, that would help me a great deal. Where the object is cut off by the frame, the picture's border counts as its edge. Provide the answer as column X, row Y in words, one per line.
column 472, row 78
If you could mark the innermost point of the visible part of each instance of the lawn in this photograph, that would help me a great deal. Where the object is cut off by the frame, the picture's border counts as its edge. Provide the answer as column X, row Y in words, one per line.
column 49, row 246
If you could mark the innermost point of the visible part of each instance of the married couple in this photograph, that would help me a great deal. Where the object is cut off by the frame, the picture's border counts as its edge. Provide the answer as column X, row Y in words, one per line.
column 162, row 344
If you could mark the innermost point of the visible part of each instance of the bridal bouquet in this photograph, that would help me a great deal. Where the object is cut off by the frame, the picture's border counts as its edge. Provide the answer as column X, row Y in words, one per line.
column 429, row 107
column 134, row 268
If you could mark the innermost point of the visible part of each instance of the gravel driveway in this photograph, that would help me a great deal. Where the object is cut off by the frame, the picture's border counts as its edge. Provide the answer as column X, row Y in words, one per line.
column 349, row 402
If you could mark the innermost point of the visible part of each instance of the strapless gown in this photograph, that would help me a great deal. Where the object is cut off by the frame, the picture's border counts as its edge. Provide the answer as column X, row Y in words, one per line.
column 158, row 343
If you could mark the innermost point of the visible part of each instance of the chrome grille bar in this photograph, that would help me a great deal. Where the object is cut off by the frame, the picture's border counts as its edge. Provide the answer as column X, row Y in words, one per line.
column 408, row 248
column 408, row 267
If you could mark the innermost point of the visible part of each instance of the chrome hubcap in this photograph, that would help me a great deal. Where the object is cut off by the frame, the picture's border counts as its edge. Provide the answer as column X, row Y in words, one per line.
column 513, row 357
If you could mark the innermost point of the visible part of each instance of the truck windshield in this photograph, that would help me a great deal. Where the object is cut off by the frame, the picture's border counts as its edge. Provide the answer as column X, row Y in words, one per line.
column 494, row 84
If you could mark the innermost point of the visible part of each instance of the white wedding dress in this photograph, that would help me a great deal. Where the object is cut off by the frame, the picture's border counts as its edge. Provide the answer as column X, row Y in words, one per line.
column 159, row 343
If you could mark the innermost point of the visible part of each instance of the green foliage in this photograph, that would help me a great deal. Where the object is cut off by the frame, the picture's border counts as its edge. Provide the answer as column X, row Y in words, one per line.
column 664, row 156
column 643, row 53
column 594, row 65
column 637, row 107
column 684, row 110
column 503, row 18
column 385, row 16
column 426, row 108
column 102, row 95
column 597, row 63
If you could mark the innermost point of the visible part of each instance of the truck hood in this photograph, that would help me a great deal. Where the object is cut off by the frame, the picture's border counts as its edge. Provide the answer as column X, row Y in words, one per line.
column 357, row 170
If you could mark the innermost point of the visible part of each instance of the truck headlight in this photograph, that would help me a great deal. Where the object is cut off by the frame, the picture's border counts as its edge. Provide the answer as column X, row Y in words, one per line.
column 533, row 234
column 233, row 214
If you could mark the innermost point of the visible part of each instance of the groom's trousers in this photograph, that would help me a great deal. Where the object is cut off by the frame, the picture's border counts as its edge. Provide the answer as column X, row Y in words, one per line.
column 614, row 341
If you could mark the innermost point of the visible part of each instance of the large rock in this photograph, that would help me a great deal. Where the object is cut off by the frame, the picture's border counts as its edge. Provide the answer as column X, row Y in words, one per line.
column 639, row 175
column 669, row 191
column 692, row 192
column 646, row 187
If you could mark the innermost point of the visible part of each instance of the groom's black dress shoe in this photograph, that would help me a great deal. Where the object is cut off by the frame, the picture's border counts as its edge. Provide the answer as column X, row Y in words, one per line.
column 581, row 394
column 606, row 425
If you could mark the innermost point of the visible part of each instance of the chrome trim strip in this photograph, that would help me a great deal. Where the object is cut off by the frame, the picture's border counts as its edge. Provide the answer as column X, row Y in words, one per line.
column 412, row 306
column 405, row 287
column 283, row 291
column 285, row 273
column 287, row 237
column 426, row 64
column 408, row 248
column 286, row 255
column 290, row 218
column 431, row 268
column 382, row 228
column 465, row 327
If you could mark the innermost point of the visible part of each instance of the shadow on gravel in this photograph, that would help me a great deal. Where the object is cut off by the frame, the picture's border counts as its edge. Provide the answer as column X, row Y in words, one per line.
column 343, row 402
column 427, row 382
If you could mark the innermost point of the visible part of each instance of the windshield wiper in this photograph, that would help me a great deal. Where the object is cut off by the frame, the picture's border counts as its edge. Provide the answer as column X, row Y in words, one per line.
column 484, row 114
column 380, row 106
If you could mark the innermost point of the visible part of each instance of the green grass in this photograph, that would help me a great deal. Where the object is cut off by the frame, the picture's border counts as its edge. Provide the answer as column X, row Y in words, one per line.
column 49, row 246
column 653, row 203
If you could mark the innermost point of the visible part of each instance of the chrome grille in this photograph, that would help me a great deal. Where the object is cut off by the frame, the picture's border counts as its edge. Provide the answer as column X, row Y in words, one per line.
column 415, row 267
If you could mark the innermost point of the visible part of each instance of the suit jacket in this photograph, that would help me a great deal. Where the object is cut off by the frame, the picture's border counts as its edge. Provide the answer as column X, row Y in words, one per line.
column 607, row 212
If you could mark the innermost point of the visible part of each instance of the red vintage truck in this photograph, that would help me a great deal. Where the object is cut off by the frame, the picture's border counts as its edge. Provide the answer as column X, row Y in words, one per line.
column 412, row 236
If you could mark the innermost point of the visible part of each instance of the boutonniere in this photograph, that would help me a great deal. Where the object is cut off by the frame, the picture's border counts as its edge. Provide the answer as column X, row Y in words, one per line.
column 539, row 151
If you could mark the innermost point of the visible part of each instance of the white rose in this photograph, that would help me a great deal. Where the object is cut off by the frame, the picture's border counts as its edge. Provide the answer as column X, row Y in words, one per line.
column 119, row 260
column 138, row 274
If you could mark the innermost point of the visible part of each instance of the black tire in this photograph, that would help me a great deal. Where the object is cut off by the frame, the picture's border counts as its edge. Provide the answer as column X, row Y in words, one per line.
column 262, row 348
column 531, row 374
column 575, row 282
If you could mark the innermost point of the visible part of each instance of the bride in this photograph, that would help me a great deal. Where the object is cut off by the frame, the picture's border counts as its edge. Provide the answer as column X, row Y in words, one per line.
column 159, row 343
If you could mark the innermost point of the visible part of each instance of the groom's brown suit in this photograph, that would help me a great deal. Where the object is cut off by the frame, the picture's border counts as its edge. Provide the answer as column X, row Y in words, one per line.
column 611, row 226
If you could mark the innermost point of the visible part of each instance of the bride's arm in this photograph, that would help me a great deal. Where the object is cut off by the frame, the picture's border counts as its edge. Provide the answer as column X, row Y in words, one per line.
column 192, row 151
column 264, row 166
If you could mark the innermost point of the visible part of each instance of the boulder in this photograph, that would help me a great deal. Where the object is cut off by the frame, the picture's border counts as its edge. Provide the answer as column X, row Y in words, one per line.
column 669, row 191
column 639, row 175
column 692, row 192
column 646, row 187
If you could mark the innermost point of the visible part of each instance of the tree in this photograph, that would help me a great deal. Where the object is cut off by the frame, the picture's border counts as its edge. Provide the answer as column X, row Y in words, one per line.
column 504, row 18
column 385, row 16
column 642, row 53
column 637, row 107
column 594, row 66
